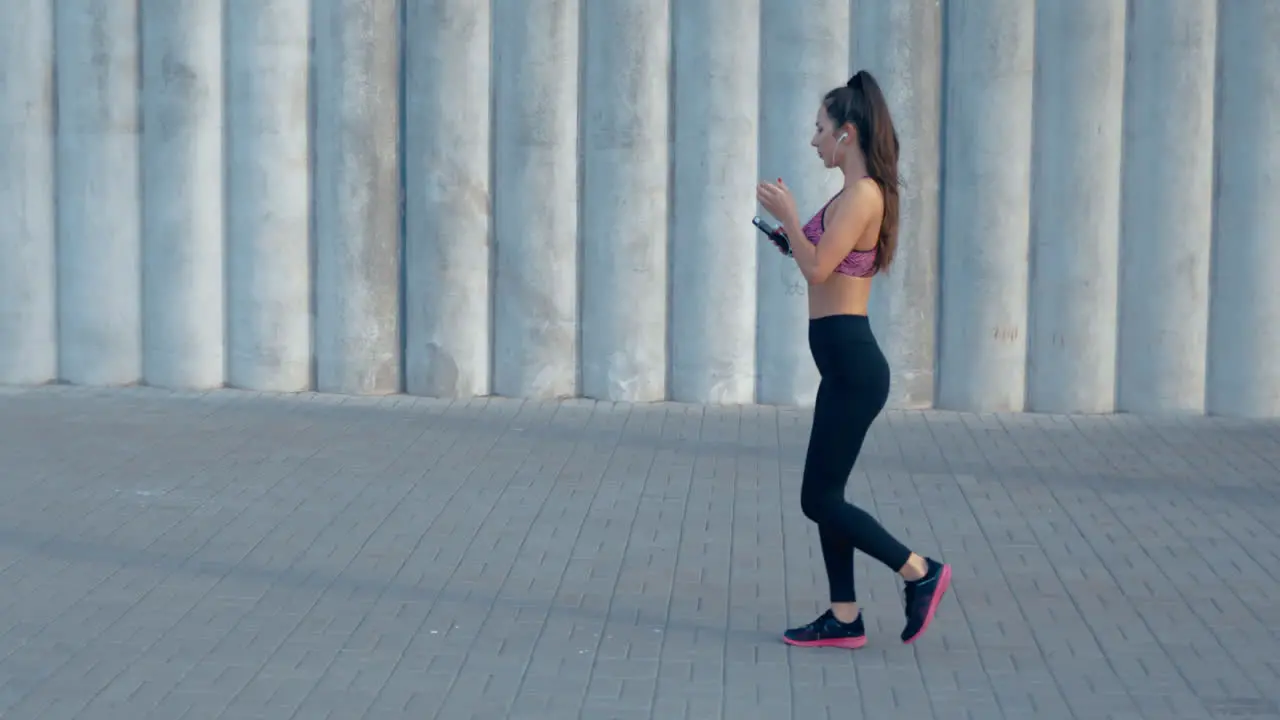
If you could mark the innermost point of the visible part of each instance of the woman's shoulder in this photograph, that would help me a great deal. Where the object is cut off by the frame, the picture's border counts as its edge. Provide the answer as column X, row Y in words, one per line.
column 864, row 191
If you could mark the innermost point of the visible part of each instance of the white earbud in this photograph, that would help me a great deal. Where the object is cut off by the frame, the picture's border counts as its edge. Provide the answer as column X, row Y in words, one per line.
column 843, row 137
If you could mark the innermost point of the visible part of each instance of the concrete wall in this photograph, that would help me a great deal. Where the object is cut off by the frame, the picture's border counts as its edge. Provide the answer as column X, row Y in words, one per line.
column 550, row 198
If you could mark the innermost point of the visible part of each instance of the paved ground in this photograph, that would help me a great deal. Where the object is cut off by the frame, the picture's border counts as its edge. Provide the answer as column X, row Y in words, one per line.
column 230, row 555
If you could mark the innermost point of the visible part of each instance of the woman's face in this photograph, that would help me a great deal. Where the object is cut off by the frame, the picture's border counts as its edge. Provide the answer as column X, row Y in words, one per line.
column 825, row 138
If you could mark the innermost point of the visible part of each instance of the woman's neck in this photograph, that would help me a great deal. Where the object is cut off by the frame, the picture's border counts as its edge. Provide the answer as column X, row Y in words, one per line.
column 854, row 171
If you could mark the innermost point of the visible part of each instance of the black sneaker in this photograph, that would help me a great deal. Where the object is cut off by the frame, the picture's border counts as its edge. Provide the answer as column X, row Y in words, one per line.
column 827, row 631
column 922, row 598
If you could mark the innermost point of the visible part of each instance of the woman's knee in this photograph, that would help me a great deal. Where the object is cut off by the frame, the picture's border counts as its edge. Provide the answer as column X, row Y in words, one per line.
column 819, row 506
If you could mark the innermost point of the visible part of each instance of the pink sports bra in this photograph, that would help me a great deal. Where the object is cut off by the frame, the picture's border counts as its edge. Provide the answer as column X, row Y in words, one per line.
column 858, row 263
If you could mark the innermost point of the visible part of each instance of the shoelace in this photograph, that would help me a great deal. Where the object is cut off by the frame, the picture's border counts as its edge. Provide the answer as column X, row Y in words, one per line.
column 823, row 621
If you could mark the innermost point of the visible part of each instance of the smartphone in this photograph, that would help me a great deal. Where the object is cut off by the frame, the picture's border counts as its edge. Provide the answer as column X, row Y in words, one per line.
column 774, row 233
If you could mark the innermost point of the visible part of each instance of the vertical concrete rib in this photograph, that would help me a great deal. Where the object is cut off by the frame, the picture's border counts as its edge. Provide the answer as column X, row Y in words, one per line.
column 182, row 181
column 1075, row 216
column 713, row 282
column 99, row 216
column 802, row 57
column 1244, row 324
column 357, row 196
column 28, row 285
column 535, row 198
column 624, row 197
column 268, row 195
column 447, row 198
column 986, row 212
column 1166, row 211
column 900, row 43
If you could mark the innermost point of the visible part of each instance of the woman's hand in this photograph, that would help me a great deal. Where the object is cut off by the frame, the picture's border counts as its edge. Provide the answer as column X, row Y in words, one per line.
column 777, row 200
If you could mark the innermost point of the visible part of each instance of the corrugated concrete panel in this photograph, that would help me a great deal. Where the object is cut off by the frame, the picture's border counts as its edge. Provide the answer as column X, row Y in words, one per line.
column 901, row 44
column 1244, row 318
column 357, row 195
column 268, row 171
column 624, row 199
column 1167, row 206
column 535, row 204
column 28, row 285
column 98, row 185
column 183, row 306
column 447, row 198
column 800, row 53
column 713, row 258
column 986, row 212
column 552, row 198
column 1075, row 211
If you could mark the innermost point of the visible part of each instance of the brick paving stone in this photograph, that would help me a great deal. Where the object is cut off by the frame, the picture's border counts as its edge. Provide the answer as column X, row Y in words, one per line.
column 233, row 554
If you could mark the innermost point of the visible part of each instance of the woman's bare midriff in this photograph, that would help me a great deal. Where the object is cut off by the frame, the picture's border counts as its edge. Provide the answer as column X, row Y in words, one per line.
column 839, row 295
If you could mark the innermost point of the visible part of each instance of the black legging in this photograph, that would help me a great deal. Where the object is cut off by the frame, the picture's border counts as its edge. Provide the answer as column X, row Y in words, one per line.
column 853, row 391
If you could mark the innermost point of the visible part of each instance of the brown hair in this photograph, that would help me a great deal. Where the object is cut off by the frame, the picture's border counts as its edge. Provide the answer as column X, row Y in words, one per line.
column 861, row 104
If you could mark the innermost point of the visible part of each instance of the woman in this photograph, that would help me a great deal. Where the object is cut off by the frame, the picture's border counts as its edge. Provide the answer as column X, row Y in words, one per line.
column 849, row 240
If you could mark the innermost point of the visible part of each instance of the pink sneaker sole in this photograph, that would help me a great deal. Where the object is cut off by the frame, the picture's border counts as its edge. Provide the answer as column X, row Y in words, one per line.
column 851, row 643
column 944, row 583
